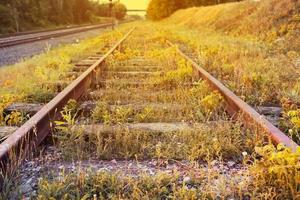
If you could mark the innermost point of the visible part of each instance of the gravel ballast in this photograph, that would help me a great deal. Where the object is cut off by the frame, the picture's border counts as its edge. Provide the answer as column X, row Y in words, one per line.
column 15, row 54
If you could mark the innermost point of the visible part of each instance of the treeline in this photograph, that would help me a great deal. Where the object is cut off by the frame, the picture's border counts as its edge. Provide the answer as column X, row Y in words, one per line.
column 159, row 9
column 20, row 15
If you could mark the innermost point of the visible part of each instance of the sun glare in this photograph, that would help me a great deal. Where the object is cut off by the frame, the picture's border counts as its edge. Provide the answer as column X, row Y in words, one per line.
column 134, row 4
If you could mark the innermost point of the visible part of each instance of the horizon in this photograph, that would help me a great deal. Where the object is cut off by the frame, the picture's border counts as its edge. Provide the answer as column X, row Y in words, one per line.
column 133, row 4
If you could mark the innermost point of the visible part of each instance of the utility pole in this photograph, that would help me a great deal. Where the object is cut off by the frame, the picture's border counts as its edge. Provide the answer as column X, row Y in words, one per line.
column 111, row 13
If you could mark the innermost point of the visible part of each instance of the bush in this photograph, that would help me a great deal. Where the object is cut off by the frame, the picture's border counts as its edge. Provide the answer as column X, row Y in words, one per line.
column 120, row 10
column 5, row 20
column 159, row 9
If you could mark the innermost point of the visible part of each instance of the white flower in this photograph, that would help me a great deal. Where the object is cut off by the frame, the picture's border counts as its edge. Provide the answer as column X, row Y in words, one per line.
column 244, row 153
column 95, row 196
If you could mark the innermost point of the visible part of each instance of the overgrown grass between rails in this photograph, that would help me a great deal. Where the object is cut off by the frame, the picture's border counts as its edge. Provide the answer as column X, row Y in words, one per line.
column 224, row 140
column 197, row 104
column 274, row 176
column 176, row 81
column 117, row 186
column 271, row 175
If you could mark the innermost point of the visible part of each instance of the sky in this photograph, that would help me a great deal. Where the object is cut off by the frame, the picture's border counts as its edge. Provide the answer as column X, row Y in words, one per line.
column 133, row 4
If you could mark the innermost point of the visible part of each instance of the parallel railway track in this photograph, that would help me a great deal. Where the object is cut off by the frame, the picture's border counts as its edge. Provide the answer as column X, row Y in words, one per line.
column 120, row 85
column 43, row 35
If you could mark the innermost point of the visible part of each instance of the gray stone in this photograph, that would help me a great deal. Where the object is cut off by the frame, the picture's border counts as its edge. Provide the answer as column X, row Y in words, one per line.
column 114, row 161
column 297, row 62
column 231, row 163
column 264, row 110
column 25, row 108
column 88, row 106
column 25, row 188
column 149, row 127
column 5, row 131
column 187, row 179
column 11, row 55
column 273, row 119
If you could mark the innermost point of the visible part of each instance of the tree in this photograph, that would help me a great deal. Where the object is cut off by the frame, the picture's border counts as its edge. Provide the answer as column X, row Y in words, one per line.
column 120, row 10
column 21, row 15
column 14, row 13
column 5, row 20
column 159, row 9
column 80, row 11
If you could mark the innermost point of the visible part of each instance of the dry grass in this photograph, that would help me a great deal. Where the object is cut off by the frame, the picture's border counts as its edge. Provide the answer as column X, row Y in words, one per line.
column 117, row 186
column 274, row 176
column 248, row 62
column 252, row 47
column 36, row 79
column 194, row 103
column 268, row 19
column 248, row 70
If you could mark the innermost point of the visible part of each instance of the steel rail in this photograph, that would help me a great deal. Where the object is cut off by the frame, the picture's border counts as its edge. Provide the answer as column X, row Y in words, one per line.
column 236, row 106
column 66, row 27
column 18, row 145
column 61, row 32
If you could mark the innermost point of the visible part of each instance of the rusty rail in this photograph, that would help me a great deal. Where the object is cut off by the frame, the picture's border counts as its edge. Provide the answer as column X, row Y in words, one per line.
column 33, row 132
column 235, row 105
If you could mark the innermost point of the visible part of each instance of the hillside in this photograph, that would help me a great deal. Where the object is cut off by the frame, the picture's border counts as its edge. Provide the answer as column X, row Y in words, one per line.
column 271, row 20
column 252, row 47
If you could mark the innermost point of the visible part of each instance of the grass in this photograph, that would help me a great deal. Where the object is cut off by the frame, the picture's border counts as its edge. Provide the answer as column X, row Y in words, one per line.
column 270, row 172
column 113, row 186
column 219, row 140
column 251, row 47
column 38, row 79
column 192, row 103
column 250, row 62
column 34, row 80
column 274, row 176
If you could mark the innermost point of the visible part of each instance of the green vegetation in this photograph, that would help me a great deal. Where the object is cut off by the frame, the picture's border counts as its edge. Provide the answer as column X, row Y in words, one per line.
column 38, row 79
column 159, row 9
column 251, row 52
column 115, row 186
column 275, row 176
column 250, row 63
column 195, row 104
column 18, row 15
column 119, row 10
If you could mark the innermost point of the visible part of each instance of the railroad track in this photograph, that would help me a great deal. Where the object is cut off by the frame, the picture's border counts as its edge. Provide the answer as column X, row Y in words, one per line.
column 43, row 35
column 117, row 95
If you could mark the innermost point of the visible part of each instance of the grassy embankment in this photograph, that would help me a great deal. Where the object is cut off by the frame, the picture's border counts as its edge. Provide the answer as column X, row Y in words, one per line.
column 252, row 47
